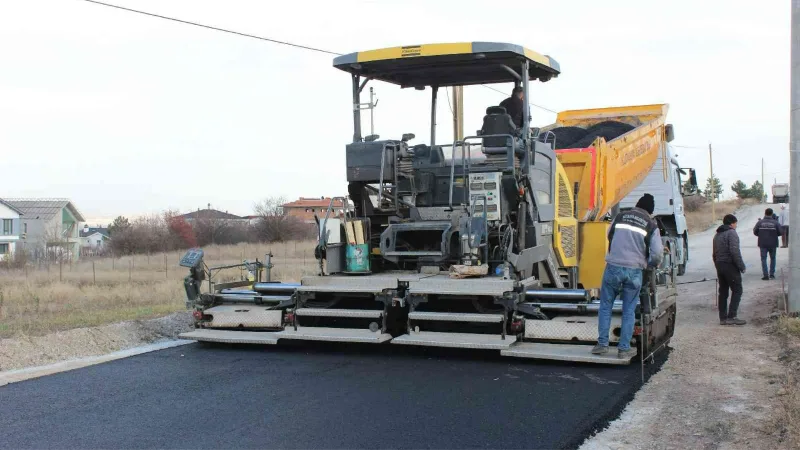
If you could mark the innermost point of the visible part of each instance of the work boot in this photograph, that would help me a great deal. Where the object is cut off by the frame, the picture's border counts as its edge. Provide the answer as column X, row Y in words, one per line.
column 772, row 277
column 725, row 322
column 736, row 321
column 600, row 349
column 765, row 278
column 626, row 354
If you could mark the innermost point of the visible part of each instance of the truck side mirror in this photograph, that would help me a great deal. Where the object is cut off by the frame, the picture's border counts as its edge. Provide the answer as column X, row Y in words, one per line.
column 669, row 132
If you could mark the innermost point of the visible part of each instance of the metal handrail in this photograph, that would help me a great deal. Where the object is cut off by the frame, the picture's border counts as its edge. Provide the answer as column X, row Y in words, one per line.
column 512, row 149
column 383, row 165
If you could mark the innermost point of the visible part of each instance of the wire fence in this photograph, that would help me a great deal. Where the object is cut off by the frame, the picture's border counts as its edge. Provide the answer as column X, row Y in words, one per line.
column 291, row 259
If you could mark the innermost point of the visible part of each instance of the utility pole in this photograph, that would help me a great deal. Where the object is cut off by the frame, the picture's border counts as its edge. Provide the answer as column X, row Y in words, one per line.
column 458, row 113
column 713, row 185
column 763, row 188
column 794, row 164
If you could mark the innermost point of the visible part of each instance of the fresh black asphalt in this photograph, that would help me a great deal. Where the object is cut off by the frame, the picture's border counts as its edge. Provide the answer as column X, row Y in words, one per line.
column 315, row 395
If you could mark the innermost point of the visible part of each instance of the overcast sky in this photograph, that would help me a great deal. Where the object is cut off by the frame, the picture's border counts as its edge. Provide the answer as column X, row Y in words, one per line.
column 128, row 114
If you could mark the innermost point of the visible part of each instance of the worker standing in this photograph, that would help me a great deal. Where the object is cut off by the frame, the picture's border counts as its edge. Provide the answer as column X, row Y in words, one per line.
column 784, row 221
column 767, row 229
column 634, row 244
column 514, row 106
column 727, row 257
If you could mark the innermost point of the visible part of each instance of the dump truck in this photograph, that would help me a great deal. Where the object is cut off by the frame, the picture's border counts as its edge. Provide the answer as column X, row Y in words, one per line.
column 780, row 193
column 493, row 242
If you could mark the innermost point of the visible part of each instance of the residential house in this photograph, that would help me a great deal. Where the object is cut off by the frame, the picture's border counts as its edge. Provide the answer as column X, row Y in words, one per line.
column 212, row 214
column 252, row 220
column 93, row 239
column 10, row 231
column 50, row 226
column 305, row 208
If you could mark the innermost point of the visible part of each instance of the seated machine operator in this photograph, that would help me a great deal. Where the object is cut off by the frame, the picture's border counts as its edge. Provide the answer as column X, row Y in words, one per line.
column 514, row 106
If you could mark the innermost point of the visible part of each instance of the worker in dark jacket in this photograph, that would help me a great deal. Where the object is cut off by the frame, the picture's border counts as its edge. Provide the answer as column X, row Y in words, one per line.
column 634, row 243
column 767, row 229
column 514, row 106
column 728, row 260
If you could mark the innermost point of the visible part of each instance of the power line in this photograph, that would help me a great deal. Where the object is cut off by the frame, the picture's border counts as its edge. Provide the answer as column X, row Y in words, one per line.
column 448, row 103
column 275, row 41
column 532, row 104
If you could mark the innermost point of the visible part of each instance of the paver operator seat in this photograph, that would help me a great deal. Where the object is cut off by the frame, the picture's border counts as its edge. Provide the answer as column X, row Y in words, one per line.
column 498, row 121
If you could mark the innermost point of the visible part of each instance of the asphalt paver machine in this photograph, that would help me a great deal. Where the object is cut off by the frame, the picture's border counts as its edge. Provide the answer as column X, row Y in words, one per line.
column 495, row 241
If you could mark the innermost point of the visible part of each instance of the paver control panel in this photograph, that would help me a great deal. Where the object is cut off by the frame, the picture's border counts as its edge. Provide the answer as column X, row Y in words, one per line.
column 487, row 184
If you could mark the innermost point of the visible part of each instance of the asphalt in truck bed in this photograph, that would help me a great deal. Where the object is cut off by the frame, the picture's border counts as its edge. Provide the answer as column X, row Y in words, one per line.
column 316, row 395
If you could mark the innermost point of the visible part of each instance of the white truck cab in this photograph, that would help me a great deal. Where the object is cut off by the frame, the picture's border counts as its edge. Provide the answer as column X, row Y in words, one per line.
column 665, row 183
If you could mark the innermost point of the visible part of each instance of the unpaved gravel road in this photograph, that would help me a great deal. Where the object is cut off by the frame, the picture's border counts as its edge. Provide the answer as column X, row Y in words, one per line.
column 716, row 389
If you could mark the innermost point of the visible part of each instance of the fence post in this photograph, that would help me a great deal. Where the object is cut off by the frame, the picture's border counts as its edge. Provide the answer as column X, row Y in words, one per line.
column 113, row 262
column 94, row 274
column 60, row 269
column 166, row 270
column 130, row 270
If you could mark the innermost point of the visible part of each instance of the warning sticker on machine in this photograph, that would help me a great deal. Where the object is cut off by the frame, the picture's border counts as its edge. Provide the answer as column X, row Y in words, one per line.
column 414, row 50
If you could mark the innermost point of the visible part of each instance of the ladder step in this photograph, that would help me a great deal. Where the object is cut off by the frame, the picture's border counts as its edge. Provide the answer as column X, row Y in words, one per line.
column 332, row 312
column 232, row 337
column 456, row 317
column 564, row 352
column 455, row 340
column 334, row 335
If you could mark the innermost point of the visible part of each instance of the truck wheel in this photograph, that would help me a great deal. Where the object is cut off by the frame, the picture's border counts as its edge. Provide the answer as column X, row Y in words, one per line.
column 682, row 267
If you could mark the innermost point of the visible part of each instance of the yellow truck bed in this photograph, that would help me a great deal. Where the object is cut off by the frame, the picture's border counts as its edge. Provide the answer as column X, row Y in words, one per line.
column 606, row 172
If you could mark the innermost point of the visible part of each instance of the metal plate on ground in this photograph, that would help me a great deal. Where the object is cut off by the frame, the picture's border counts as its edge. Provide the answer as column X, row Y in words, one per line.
column 246, row 316
column 564, row 352
column 569, row 328
column 444, row 285
column 334, row 335
column 455, row 340
column 232, row 337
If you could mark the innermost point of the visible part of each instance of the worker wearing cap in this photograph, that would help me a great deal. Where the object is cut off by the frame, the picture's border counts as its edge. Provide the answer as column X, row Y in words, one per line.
column 514, row 106
column 634, row 244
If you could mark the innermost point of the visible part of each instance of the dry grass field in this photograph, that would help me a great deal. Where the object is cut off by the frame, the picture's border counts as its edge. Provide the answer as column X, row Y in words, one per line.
column 700, row 220
column 41, row 299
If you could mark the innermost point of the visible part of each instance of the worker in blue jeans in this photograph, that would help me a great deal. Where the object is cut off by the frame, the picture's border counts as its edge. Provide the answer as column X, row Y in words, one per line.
column 768, row 229
column 634, row 243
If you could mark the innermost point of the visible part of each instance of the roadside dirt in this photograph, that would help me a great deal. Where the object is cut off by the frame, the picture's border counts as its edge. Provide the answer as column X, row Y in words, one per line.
column 20, row 352
column 721, row 385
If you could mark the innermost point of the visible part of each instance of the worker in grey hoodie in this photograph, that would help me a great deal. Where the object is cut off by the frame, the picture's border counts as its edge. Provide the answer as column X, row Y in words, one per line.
column 634, row 244
column 728, row 261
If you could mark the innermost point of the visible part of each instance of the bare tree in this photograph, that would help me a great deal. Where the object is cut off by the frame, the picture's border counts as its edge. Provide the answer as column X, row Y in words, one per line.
column 275, row 226
column 270, row 207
